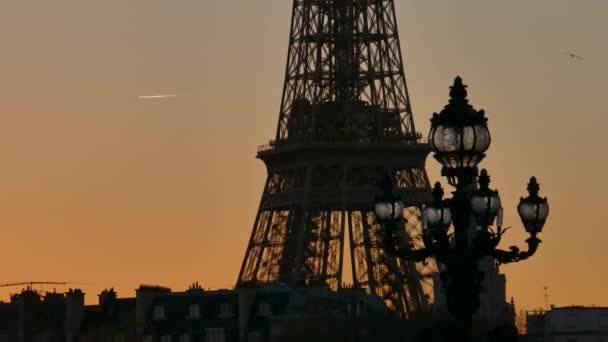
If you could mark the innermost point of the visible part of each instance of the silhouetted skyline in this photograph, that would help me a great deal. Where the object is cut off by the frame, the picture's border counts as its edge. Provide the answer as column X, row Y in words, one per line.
column 103, row 188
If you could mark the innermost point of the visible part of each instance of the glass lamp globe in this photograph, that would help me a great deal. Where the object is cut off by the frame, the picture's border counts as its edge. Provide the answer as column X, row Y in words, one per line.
column 388, row 207
column 459, row 147
column 389, row 211
column 533, row 210
column 485, row 203
column 437, row 217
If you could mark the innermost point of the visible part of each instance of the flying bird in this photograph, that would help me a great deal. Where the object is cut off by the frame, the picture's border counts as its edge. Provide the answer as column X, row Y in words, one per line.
column 573, row 56
column 147, row 97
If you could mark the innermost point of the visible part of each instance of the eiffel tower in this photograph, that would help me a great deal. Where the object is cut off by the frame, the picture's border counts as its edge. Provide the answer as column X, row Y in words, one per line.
column 345, row 122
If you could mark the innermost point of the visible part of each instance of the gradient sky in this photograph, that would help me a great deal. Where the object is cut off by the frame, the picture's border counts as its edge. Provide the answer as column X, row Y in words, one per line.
column 100, row 187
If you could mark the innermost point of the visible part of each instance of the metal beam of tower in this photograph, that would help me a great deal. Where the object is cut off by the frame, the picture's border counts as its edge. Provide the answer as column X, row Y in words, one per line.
column 345, row 121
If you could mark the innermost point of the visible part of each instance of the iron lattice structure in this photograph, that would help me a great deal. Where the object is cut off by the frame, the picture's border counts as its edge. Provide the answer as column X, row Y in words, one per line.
column 345, row 121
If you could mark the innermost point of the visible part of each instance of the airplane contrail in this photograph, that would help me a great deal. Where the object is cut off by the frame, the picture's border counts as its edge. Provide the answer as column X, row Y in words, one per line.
column 146, row 97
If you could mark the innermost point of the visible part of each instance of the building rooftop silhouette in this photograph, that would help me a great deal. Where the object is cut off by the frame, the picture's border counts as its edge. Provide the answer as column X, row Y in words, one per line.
column 250, row 313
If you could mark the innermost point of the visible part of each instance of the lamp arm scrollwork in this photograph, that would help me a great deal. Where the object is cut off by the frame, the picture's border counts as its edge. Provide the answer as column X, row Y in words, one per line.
column 390, row 247
column 514, row 254
column 494, row 237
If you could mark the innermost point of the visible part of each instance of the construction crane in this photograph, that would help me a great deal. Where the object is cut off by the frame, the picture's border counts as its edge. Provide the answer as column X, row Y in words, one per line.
column 30, row 284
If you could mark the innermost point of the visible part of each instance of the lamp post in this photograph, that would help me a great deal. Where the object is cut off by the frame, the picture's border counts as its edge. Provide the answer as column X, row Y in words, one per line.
column 459, row 137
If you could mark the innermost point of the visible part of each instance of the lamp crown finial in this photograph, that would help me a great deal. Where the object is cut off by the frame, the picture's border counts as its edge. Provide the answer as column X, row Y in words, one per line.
column 533, row 187
column 438, row 192
column 387, row 187
column 484, row 179
column 458, row 91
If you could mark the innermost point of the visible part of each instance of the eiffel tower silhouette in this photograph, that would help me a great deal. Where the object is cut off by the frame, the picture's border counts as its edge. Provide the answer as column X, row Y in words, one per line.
column 345, row 122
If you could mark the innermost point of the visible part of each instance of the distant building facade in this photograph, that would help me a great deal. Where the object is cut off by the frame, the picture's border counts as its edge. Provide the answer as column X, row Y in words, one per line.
column 568, row 324
column 247, row 314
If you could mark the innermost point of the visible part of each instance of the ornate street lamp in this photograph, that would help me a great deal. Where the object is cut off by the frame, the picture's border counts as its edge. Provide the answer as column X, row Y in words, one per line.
column 436, row 216
column 485, row 203
column 533, row 210
column 459, row 138
column 388, row 207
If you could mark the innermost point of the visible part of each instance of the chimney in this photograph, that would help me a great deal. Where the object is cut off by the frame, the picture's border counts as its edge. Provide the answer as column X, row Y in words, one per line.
column 107, row 298
column 28, row 303
column 74, row 313
column 247, row 297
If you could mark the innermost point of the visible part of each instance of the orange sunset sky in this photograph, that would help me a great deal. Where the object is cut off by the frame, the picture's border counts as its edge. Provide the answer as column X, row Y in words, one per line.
column 100, row 187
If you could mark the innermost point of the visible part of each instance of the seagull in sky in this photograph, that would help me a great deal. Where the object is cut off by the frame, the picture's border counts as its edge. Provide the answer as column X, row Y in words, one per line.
column 574, row 56
column 148, row 97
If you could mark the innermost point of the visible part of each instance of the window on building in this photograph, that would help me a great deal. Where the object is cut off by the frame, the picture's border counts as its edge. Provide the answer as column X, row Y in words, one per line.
column 194, row 311
column 359, row 308
column 254, row 337
column 571, row 321
column 159, row 312
column 264, row 308
column 184, row 338
column 215, row 335
column 603, row 320
column 165, row 338
column 226, row 310
column 42, row 338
